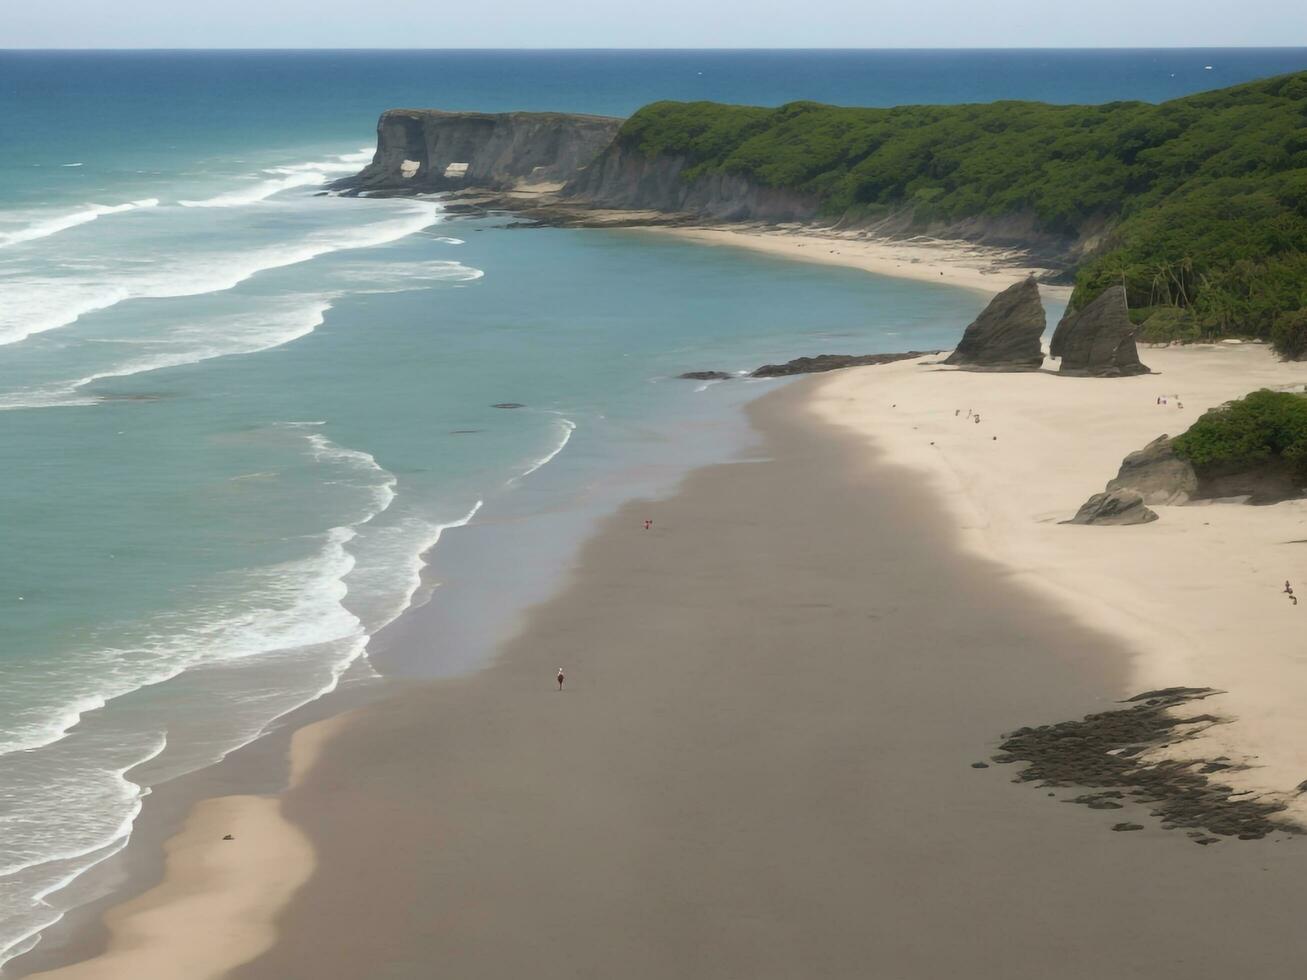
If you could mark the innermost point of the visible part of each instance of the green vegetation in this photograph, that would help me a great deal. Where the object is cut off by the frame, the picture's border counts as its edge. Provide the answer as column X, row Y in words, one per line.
column 1198, row 204
column 1256, row 429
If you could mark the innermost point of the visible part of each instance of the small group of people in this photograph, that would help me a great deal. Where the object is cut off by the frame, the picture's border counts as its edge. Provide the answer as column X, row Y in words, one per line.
column 1288, row 590
column 1164, row 399
column 974, row 416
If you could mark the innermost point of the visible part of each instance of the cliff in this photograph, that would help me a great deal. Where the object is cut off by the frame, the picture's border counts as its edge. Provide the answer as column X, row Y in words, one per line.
column 423, row 150
column 624, row 178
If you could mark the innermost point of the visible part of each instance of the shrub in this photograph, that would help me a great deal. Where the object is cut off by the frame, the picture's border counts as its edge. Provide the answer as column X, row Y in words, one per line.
column 1255, row 429
column 1289, row 335
column 1167, row 324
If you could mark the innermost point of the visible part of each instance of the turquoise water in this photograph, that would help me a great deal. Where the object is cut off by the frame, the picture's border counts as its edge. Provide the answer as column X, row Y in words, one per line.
column 235, row 414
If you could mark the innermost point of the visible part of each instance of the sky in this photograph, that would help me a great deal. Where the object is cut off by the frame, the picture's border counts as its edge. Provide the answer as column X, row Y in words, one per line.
column 651, row 24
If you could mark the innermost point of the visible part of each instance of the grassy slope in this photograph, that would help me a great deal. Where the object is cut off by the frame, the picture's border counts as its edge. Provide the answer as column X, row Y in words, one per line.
column 1205, row 197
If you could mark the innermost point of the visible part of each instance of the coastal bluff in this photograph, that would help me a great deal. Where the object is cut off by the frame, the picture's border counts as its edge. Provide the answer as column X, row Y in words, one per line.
column 427, row 150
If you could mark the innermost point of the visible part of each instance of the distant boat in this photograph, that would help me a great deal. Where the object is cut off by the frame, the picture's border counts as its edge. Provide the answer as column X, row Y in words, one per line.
column 1207, row 67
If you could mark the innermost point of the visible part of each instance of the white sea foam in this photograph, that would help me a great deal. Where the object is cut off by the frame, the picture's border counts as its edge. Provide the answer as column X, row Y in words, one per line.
column 47, row 226
column 259, row 191
column 292, row 611
column 270, row 326
column 343, row 163
column 381, row 482
column 70, row 164
column 388, row 277
column 566, row 428
column 37, row 305
column 450, row 241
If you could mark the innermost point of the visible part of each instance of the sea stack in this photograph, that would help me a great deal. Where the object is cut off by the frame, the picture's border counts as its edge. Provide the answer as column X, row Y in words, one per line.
column 1098, row 340
column 1005, row 337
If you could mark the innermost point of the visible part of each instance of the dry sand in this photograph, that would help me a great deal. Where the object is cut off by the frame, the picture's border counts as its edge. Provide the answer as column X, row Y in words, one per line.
column 1196, row 595
column 957, row 263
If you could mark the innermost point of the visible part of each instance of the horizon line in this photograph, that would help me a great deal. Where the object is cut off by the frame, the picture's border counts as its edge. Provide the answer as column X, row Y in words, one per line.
column 905, row 48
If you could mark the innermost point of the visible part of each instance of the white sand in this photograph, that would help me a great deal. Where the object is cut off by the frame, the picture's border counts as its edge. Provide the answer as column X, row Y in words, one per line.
column 957, row 263
column 1197, row 593
column 217, row 904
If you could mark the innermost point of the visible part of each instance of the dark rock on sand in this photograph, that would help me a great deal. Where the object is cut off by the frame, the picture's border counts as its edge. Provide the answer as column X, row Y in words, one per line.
column 1005, row 337
column 1098, row 340
column 980, row 765
column 833, row 362
column 705, row 376
column 1091, row 753
column 1127, row 826
column 508, row 405
column 1114, row 507
column 1157, row 474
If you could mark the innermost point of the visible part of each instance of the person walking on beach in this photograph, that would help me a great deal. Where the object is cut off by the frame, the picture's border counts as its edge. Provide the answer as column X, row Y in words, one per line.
column 1288, row 588
column 648, row 524
column 560, row 678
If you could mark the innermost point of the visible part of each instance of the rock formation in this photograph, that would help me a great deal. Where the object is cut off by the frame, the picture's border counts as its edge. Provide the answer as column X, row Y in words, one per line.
column 832, row 362
column 1098, row 340
column 420, row 150
column 1005, row 337
column 1157, row 474
column 1114, row 507
column 704, row 376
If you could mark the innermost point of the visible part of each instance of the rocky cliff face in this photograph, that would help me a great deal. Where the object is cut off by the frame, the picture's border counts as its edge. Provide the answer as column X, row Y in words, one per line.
column 432, row 150
column 622, row 178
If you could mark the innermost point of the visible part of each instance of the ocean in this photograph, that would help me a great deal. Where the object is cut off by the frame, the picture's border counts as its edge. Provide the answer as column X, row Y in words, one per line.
column 237, row 414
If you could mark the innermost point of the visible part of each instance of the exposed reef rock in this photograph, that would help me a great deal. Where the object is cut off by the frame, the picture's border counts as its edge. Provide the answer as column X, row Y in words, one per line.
column 1098, row 340
column 704, row 376
column 423, row 150
column 1157, row 474
column 1005, row 337
column 1114, row 507
column 1106, row 752
column 833, row 362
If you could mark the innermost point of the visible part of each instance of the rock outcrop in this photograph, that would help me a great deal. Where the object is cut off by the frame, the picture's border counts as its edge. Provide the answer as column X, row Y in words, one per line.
column 1157, row 474
column 1098, row 340
column 833, row 362
column 1006, row 335
column 704, row 376
column 421, row 150
column 1114, row 507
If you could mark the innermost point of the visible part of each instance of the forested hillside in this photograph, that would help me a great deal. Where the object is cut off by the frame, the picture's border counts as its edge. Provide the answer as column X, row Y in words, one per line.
column 1198, row 205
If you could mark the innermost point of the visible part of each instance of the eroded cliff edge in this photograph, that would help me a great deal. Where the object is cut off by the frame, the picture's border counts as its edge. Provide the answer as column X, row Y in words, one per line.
column 427, row 150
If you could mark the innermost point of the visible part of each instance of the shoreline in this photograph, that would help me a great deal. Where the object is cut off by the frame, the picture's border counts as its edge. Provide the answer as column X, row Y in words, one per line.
column 488, row 760
column 235, row 861
column 956, row 263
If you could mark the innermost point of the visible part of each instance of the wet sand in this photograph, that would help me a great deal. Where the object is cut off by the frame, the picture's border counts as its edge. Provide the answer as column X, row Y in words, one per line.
column 762, row 766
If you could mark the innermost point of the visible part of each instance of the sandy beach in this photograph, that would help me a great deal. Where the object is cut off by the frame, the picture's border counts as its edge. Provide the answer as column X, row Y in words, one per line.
column 761, row 765
column 1196, row 595
column 982, row 268
column 768, row 757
